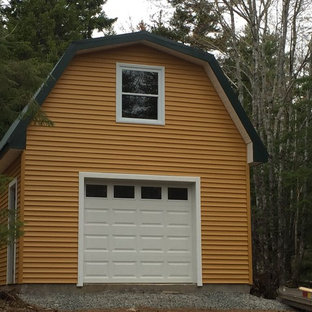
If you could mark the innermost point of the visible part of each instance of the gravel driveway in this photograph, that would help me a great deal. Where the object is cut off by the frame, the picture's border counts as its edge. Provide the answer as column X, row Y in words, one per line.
column 134, row 299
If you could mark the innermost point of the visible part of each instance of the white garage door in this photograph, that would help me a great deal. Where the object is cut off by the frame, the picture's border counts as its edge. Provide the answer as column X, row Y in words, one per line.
column 138, row 233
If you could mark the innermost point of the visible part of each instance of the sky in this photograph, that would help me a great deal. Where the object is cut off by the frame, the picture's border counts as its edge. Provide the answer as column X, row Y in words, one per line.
column 131, row 12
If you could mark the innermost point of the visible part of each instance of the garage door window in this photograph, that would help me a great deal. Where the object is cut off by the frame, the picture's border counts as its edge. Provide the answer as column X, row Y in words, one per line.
column 96, row 190
column 150, row 192
column 177, row 193
column 123, row 191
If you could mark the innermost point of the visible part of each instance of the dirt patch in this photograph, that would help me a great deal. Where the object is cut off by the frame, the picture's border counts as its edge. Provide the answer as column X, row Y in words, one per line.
column 10, row 302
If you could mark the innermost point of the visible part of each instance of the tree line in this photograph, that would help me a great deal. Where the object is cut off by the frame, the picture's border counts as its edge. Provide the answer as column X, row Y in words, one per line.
column 264, row 47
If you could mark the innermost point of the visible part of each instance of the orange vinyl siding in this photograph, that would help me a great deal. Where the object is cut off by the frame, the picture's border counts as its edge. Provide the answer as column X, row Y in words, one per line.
column 198, row 139
column 13, row 171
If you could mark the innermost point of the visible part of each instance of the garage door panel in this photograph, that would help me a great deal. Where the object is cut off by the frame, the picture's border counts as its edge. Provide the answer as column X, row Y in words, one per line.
column 149, row 269
column 124, row 230
column 151, row 243
column 100, row 229
column 96, row 215
column 175, row 243
column 98, row 269
column 124, row 269
column 124, row 242
column 96, row 255
column 95, row 203
column 124, row 217
column 151, row 218
column 152, row 231
column 178, row 257
column 148, row 256
column 178, row 230
column 96, row 242
column 179, row 270
column 123, row 255
column 178, row 217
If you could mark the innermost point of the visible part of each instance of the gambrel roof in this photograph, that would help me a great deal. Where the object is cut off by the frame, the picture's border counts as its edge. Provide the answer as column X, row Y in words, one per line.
column 15, row 138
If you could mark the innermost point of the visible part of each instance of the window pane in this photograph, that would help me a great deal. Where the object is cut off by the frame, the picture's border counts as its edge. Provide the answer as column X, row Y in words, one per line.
column 139, row 107
column 179, row 193
column 123, row 191
column 137, row 81
column 150, row 192
column 96, row 190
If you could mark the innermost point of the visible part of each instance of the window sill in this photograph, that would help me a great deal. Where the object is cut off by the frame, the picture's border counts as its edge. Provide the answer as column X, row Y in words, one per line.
column 141, row 121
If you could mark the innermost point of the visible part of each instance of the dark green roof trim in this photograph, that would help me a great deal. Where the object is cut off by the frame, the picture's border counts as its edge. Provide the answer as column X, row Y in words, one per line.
column 15, row 137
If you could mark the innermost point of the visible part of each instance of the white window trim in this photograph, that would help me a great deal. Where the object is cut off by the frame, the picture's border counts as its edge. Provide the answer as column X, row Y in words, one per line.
column 117, row 176
column 11, row 184
column 161, row 94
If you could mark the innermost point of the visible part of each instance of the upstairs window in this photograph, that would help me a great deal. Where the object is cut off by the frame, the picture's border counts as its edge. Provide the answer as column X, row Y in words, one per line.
column 140, row 94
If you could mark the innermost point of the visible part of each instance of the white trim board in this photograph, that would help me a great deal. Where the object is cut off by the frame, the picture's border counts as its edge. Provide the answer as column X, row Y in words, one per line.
column 11, row 184
column 157, row 178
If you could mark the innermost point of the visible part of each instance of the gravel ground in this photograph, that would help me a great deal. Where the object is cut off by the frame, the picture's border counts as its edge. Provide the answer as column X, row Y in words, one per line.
column 132, row 300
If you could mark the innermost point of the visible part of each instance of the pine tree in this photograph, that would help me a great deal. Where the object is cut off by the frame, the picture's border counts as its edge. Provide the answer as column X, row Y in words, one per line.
column 19, row 80
column 33, row 36
column 44, row 28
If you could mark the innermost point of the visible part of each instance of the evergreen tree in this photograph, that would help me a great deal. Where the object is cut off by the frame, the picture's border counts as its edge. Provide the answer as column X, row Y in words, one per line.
column 19, row 80
column 33, row 36
column 44, row 28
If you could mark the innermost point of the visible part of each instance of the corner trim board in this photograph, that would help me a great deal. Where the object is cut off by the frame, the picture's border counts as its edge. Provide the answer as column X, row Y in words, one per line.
column 11, row 184
column 21, row 216
column 139, row 177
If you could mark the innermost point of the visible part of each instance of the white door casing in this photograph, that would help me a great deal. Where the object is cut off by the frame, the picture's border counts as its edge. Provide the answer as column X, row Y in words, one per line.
column 11, row 247
column 119, row 254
